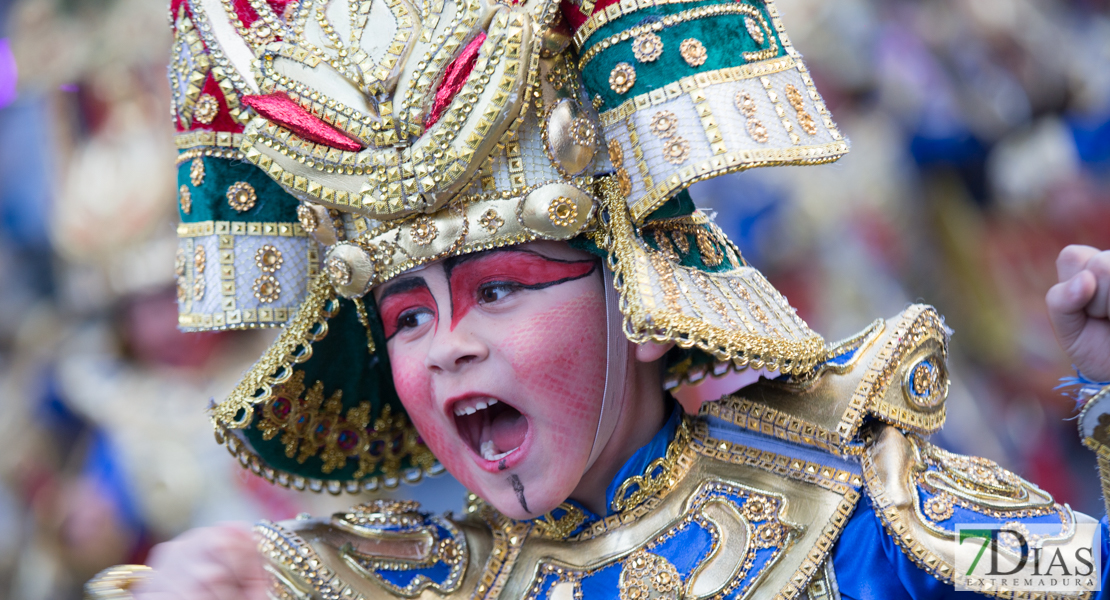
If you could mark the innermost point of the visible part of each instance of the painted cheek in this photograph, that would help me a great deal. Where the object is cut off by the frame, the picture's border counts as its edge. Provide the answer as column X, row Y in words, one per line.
column 522, row 268
column 413, row 382
column 559, row 357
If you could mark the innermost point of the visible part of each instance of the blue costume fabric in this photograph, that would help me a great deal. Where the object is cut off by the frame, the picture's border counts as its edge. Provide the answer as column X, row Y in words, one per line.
column 868, row 563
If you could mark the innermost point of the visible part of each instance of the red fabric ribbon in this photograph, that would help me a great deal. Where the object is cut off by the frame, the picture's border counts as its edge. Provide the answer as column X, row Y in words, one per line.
column 454, row 78
column 280, row 108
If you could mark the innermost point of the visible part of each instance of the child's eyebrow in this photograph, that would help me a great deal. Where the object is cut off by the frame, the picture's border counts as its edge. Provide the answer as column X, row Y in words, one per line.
column 401, row 286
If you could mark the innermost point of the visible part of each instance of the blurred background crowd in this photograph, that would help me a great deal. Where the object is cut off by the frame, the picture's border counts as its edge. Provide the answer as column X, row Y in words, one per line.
column 981, row 146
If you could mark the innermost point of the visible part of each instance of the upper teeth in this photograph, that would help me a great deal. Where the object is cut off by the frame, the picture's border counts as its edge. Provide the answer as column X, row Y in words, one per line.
column 469, row 409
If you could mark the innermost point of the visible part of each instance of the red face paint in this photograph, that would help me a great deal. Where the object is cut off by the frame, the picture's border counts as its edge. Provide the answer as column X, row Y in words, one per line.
column 406, row 307
column 472, row 279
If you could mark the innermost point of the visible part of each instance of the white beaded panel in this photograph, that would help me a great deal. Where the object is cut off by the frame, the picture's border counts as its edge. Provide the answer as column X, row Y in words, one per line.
column 230, row 274
column 706, row 105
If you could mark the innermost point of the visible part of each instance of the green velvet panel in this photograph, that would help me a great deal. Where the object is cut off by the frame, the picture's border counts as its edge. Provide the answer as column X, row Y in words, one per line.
column 209, row 200
column 342, row 361
column 725, row 38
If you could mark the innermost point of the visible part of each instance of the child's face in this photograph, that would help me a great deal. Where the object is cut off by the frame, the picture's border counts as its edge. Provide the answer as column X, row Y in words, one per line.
column 499, row 358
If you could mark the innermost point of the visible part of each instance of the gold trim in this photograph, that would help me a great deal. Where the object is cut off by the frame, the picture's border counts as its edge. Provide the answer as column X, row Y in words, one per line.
column 888, row 462
column 115, row 583
column 701, row 12
column 644, row 321
column 210, row 228
column 208, row 139
column 649, row 483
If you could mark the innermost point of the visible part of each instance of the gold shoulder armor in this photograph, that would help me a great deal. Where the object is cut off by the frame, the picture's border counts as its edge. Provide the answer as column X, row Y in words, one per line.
column 382, row 549
column 921, row 493
column 895, row 370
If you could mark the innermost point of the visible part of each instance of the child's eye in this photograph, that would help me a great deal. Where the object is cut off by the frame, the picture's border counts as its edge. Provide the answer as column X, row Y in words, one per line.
column 492, row 292
column 413, row 318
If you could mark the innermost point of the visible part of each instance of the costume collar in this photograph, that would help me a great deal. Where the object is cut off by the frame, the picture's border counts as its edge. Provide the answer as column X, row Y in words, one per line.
column 571, row 518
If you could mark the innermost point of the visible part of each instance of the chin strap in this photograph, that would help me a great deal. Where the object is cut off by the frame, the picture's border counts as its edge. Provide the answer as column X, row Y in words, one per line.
column 616, row 370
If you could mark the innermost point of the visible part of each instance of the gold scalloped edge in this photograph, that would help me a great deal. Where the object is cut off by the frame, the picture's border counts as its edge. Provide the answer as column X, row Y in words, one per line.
column 667, row 326
column 253, row 463
column 294, row 345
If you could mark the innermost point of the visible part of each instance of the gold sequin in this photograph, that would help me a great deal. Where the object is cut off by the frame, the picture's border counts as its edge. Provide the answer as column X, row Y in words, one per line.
column 196, row 172
column 268, row 258
column 307, row 217
column 647, row 47
column 562, row 211
column 185, row 198
column 664, row 124
column 755, row 30
column 491, row 221
column 241, row 196
column 206, row 109
column 693, row 52
column 768, row 535
column 424, row 230
column 267, row 289
column 676, row 150
column 624, row 182
column 339, row 271
column 622, row 78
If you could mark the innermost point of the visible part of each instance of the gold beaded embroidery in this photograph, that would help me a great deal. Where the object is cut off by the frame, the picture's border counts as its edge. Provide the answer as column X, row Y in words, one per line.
column 794, row 97
column 206, row 109
column 754, row 30
column 664, row 124
column 559, row 529
column 267, row 289
column 939, row 507
column 756, row 129
column 241, row 196
column 676, row 150
column 268, row 258
column 562, row 211
column 424, row 231
column 339, row 271
column 185, row 198
column 693, row 52
column 196, row 172
column 200, row 262
column 491, row 221
column 622, row 78
column 647, row 47
column 649, row 576
column 307, row 218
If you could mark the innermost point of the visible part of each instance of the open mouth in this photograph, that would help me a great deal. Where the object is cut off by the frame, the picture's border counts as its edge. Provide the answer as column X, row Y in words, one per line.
column 493, row 429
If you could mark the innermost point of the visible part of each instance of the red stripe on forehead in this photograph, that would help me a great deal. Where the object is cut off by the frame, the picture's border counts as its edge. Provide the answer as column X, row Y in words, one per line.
column 515, row 267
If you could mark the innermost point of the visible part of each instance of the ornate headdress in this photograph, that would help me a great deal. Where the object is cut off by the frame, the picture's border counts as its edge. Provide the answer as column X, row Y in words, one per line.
column 327, row 146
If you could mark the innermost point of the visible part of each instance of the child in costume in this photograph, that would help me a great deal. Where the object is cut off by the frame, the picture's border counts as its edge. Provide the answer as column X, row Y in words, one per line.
column 470, row 220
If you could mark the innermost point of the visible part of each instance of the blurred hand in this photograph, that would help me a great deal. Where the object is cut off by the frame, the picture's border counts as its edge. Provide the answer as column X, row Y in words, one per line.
column 212, row 563
column 1079, row 307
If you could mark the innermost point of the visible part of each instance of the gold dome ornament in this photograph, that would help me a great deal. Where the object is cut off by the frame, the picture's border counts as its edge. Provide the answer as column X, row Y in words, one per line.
column 268, row 258
column 562, row 212
column 267, row 289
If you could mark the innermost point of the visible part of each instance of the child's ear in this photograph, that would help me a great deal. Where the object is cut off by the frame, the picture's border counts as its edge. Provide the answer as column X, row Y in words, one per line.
column 648, row 352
